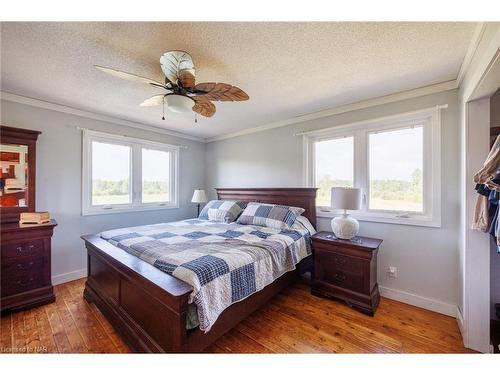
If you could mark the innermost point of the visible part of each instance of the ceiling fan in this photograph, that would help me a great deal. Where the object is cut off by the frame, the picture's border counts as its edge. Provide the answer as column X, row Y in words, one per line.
column 182, row 94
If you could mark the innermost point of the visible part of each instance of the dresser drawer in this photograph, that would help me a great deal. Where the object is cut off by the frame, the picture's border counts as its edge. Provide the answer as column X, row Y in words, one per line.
column 33, row 249
column 22, row 266
column 21, row 283
column 329, row 259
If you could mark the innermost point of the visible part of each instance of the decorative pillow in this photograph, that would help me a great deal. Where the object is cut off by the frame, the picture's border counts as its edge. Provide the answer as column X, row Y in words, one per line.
column 270, row 215
column 222, row 211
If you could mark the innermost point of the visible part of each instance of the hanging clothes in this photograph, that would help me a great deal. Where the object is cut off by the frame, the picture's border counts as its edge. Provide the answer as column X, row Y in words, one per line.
column 488, row 172
column 487, row 208
column 481, row 219
column 494, row 210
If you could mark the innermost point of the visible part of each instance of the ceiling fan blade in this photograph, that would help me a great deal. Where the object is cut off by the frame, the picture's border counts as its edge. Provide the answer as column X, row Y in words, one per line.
column 175, row 63
column 154, row 100
column 130, row 76
column 203, row 106
column 220, row 92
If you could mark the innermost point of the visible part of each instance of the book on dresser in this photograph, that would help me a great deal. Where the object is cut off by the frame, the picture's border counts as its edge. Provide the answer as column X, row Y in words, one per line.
column 34, row 218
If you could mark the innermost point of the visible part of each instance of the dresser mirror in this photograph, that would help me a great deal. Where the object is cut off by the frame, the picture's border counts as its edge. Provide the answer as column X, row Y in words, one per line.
column 13, row 175
column 17, row 172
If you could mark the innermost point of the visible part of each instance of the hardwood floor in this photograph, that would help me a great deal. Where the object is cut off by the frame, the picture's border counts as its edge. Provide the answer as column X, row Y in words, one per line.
column 293, row 322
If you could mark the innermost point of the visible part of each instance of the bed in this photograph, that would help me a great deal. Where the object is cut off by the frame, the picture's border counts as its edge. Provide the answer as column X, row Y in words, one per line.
column 149, row 307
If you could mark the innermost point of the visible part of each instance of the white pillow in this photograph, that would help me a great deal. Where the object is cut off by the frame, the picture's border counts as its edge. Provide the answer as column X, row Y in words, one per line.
column 302, row 223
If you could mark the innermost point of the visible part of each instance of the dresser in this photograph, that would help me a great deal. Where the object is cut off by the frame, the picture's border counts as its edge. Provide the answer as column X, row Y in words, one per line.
column 26, row 265
column 346, row 270
column 25, row 254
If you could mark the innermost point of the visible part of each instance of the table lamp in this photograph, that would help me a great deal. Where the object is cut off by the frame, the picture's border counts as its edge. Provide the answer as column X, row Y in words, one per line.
column 344, row 226
column 199, row 197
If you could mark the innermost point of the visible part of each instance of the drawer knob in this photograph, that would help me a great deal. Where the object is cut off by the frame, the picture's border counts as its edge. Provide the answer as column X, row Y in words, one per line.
column 339, row 277
column 24, row 283
column 24, row 266
column 342, row 262
column 24, row 250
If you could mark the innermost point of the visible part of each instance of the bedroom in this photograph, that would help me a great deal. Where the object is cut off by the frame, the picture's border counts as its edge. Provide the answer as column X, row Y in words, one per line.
column 318, row 199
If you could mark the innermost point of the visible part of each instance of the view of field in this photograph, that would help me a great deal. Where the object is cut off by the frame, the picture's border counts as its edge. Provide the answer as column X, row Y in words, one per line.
column 117, row 192
column 392, row 195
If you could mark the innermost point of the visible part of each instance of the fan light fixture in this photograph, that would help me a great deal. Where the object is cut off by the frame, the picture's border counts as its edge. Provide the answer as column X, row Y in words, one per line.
column 179, row 103
column 182, row 93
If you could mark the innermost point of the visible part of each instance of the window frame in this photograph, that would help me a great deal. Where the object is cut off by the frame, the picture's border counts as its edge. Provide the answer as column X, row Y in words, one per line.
column 135, row 187
column 430, row 119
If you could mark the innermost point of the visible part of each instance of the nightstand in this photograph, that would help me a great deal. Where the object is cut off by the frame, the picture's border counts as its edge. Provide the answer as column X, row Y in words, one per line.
column 346, row 270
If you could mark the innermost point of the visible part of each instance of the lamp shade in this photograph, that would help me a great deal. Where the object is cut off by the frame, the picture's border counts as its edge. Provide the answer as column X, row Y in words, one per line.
column 346, row 198
column 199, row 196
column 179, row 103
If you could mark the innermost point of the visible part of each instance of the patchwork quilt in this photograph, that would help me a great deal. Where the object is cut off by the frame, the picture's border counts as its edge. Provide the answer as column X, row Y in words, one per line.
column 224, row 263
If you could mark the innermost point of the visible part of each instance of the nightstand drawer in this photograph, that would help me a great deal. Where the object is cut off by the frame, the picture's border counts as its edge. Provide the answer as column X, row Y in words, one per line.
column 340, row 278
column 32, row 249
column 21, row 283
column 329, row 259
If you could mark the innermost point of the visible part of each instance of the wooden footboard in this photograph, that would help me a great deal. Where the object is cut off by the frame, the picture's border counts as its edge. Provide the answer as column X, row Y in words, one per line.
column 145, row 305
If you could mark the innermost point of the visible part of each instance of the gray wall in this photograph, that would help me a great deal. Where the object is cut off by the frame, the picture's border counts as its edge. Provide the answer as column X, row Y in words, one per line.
column 427, row 258
column 59, row 168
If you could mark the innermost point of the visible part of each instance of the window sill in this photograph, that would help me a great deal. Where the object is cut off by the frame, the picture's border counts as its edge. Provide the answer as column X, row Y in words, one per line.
column 421, row 221
column 117, row 209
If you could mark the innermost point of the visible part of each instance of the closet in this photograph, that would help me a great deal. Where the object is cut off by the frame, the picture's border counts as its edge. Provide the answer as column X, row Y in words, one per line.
column 494, row 249
column 486, row 216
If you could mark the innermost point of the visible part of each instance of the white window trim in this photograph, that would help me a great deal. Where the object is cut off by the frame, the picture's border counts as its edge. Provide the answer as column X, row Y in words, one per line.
column 430, row 118
column 136, row 145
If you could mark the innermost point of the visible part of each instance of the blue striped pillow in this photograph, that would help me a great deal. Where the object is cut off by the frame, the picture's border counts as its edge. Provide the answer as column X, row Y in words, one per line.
column 222, row 211
column 270, row 215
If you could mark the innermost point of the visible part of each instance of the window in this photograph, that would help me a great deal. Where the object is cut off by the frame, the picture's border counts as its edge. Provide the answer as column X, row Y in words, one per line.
column 395, row 170
column 334, row 166
column 394, row 160
column 155, row 176
column 110, row 179
column 127, row 174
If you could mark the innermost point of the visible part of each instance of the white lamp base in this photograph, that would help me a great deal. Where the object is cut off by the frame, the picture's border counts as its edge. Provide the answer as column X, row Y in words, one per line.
column 345, row 227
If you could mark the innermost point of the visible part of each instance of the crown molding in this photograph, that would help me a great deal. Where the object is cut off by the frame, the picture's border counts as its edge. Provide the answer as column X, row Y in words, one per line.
column 471, row 50
column 391, row 98
column 92, row 115
column 403, row 95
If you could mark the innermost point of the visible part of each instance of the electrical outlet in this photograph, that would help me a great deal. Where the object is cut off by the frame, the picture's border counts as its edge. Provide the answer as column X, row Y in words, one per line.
column 392, row 272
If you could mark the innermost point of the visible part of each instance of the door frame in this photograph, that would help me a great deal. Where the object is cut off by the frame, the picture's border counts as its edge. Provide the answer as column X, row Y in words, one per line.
column 474, row 319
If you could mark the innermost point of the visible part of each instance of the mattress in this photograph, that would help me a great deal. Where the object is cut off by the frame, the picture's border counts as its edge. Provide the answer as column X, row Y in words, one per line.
column 224, row 263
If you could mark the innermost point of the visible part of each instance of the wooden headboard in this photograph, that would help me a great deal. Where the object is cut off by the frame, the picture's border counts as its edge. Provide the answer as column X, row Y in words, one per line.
column 297, row 197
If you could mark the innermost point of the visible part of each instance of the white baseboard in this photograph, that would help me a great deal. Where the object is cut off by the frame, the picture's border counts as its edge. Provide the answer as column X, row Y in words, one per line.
column 70, row 276
column 460, row 321
column 419, row 301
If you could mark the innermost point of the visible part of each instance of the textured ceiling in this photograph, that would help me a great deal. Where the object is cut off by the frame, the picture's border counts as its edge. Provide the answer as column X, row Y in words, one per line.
column 288, row 69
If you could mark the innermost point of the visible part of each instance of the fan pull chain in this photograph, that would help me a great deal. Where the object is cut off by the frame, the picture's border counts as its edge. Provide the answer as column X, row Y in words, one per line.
column 195, row 118
column 163, row 110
